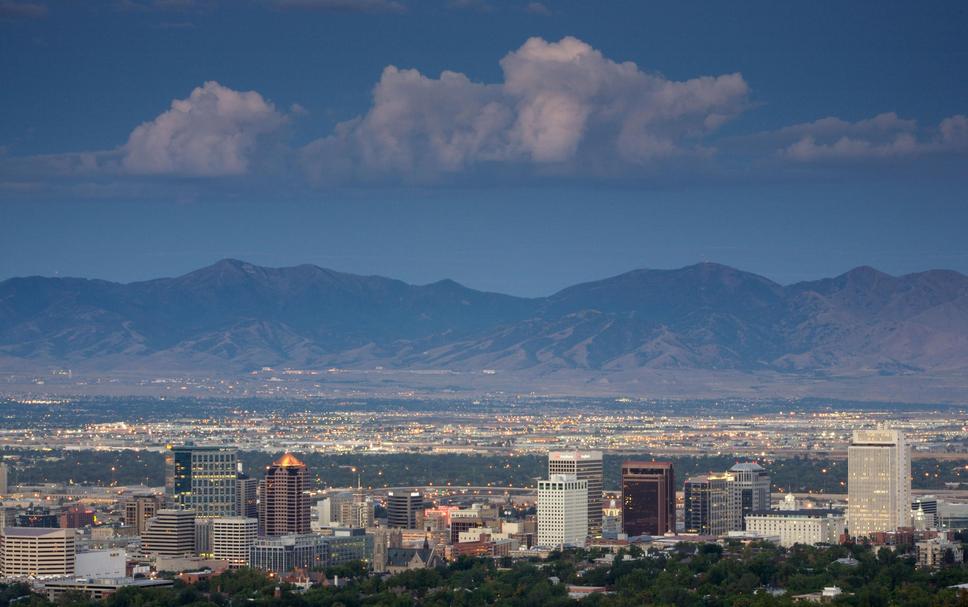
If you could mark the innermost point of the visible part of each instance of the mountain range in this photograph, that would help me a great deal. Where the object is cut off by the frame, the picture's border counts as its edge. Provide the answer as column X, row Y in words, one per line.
column 234, row 317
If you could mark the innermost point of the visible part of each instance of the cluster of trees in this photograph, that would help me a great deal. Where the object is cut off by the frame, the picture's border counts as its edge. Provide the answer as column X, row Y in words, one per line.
column 378, row 470
column 758, row 575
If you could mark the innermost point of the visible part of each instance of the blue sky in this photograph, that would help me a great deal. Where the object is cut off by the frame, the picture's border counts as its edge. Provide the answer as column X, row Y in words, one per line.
column 512, row 146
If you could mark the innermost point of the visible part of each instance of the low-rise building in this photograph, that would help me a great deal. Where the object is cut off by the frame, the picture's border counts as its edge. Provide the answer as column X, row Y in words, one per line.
column 77, row 517
column 98, row 589
column 286, row 552
column 938, row 551
column 828, row 594
column 100, row 564
column 346, row 546
column 404, row 559
column 305, row 551
column 809, row 526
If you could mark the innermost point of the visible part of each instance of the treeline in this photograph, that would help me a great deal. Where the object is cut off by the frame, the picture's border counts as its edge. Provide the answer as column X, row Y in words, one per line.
column 380, row 470
column 758, row 575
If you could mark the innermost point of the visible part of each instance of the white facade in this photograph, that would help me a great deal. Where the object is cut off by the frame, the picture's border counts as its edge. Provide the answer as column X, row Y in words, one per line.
column 232, row 539
column 101, row 564
column 878, row 482
column 322, row 515
column 327, row 510
column 585, row 465
column 36, row 552
column 562, row 511
column 798, row 526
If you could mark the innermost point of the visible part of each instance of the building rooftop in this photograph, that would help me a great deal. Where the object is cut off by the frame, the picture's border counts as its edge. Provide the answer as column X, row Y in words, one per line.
column 574, row 454
column 644, row 464
column 109, row 582
column 193, row 447
column 288, row 460
column 747, row 467
column 32, row 531
column 812, row 512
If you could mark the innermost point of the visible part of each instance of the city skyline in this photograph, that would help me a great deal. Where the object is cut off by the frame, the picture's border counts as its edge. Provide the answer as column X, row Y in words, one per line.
column 485, row 303
column 402, row 530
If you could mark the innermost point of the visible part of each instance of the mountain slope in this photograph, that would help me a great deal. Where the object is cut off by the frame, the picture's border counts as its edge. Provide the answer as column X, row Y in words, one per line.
column 238, row 313
column 233, row 316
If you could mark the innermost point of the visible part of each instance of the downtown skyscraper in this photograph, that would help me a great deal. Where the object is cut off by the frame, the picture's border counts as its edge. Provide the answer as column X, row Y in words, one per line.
column 750, row 492
column 719, row 503
column 284, row 503
column 708, row 504
column 562, row 511
column 648, row 498
column 586, row 466
column 878, row 482
column 202, row 479
column 404, row 509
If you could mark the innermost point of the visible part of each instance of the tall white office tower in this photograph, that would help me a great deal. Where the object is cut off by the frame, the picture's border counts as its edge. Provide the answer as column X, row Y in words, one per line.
column 232, row 539
column 587, row 466
column 562, row 511
column 878, row 482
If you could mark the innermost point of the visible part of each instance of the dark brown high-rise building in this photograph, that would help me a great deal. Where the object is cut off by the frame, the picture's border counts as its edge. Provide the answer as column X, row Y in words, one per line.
column 648, row 498
column 284, row 504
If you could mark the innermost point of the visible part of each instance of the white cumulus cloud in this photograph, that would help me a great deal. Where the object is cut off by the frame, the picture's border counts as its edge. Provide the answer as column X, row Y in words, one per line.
column 884, row 136
column 215, row 131
column 560, row 103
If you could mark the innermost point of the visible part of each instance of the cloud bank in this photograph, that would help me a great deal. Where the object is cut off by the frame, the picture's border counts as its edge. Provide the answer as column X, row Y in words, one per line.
column 560, row 103
column 561, row 110
column 885, row 136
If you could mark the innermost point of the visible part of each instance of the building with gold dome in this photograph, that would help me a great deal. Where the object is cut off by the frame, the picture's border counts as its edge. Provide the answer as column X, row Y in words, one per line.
column 284, row 503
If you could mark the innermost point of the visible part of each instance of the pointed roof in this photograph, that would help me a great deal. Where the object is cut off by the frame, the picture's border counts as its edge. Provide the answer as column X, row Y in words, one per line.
column 288, row 460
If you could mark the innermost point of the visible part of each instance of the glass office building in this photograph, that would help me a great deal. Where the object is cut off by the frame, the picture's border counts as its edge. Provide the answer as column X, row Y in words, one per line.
column 203, row 479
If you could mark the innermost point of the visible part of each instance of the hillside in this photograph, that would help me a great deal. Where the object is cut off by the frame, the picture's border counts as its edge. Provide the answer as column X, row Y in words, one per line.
column 233, row 317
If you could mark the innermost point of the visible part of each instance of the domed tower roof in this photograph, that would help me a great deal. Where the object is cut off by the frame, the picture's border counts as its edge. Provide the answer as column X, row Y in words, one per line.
column 288, row 460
